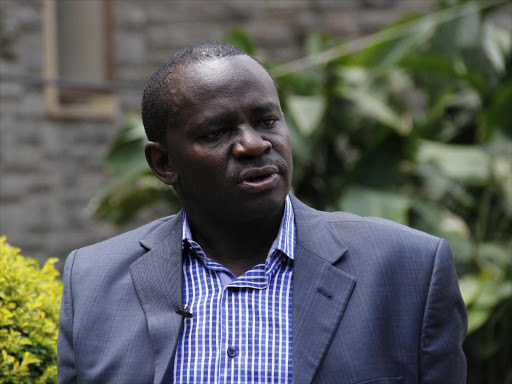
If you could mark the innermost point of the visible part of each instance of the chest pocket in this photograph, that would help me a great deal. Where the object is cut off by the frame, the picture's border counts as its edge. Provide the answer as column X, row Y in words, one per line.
column 383, row 380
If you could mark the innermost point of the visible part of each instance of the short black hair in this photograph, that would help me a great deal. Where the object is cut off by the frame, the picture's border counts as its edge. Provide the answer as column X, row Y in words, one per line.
column 156, row 100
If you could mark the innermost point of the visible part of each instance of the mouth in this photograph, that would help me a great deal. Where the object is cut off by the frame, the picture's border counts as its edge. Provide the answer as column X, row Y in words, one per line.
column 259, row 179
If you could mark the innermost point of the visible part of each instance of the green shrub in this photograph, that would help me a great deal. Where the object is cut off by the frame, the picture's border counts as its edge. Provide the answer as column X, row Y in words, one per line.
column 29, row 318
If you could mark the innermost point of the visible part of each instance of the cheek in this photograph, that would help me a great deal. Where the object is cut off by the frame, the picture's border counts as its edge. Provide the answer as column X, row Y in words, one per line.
column 282, row 144
column 207, row 164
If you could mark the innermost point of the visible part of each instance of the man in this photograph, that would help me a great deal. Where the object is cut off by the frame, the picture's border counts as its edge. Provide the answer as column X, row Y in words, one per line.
column 247, row 284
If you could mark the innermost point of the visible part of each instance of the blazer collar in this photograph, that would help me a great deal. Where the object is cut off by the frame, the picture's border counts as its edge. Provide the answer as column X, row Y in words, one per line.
column 321, row 290
column 169, row 225
column 313, row 231
column 157, row 277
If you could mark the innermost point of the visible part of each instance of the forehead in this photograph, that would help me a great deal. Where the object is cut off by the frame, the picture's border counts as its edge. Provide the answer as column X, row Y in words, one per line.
column 223, row 81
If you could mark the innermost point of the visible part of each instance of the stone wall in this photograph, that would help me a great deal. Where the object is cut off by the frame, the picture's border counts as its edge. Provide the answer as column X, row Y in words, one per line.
column 50, row 168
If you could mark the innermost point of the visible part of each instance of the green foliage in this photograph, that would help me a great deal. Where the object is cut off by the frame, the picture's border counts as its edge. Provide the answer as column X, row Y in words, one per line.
column 29, row 314
column 239, row 38
column 413, row 126
column 133, row 186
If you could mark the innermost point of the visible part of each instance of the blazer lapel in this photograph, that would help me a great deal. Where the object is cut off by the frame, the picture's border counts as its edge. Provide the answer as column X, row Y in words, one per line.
column 157, row 278
column 321, row 291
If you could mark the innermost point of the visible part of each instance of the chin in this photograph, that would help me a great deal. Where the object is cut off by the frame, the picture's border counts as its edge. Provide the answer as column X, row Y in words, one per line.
column 254, row 207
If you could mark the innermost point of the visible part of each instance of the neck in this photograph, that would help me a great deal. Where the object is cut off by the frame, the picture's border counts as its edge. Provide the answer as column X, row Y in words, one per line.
column 238, row 247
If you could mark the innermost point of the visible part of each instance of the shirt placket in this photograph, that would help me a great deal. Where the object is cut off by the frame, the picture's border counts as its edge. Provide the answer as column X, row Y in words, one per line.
column 224, row 314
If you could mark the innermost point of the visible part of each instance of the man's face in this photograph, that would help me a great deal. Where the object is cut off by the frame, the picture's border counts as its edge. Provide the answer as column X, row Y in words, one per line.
column 229, row 144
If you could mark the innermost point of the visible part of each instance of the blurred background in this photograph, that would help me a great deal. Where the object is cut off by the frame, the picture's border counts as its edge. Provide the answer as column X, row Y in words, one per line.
column 397, row 108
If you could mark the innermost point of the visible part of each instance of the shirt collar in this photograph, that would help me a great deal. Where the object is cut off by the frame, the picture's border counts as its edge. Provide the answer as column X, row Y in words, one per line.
column 284, row 242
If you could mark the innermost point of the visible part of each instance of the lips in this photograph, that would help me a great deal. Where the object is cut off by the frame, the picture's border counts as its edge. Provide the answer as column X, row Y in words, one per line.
column 259, row 179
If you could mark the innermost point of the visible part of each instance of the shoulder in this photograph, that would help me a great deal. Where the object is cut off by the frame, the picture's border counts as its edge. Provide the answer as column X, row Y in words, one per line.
column 342, row 220
column 366, row 238
column 391, row 240
column 120, row 251
column 127, row 239
column 376, row 251
column 348, row 225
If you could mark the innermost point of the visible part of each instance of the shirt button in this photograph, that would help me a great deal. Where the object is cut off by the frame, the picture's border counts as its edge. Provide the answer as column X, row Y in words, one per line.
column 232, row 352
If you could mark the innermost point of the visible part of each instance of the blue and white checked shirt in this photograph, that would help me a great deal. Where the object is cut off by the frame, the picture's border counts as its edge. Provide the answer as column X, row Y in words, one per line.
column 241, row 329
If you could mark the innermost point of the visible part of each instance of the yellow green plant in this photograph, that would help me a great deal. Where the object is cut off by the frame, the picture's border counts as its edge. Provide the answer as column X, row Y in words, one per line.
column 29, row 318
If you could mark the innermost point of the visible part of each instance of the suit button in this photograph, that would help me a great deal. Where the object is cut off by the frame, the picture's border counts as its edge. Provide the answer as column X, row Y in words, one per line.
column 232, row 352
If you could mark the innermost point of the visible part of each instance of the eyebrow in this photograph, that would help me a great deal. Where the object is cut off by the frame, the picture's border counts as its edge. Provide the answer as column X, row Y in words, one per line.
column 215, row 121
column 265, row 108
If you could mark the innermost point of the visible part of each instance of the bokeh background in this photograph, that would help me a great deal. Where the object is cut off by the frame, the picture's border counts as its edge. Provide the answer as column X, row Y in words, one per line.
column 53, row 152
column 397, row 108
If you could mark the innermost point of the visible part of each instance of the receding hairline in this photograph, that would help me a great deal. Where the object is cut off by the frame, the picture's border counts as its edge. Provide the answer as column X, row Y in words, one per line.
column 179, row 67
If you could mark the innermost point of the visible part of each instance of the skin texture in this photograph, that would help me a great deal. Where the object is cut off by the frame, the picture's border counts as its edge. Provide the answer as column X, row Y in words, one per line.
column 228, row 156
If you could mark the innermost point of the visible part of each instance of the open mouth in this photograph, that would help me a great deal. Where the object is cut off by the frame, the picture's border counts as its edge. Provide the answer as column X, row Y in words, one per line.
column 259, row 179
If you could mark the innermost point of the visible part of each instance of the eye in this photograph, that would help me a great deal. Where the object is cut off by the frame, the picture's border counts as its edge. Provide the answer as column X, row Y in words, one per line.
column 268, row 122
column 214, row 134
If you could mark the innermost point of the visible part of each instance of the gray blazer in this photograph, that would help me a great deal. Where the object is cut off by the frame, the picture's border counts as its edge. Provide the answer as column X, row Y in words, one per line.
column 373, row 301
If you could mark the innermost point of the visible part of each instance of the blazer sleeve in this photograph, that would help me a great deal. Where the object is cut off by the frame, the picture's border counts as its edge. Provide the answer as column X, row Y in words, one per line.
column 66, row 371
column 444, row 324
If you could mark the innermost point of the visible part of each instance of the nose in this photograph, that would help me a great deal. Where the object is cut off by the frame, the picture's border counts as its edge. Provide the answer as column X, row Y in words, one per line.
column 250, row 143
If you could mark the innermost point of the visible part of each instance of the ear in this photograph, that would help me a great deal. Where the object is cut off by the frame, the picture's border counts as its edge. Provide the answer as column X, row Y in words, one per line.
column 159, row 161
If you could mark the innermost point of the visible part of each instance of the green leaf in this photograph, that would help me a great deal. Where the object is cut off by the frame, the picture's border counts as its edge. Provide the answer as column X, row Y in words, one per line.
column 502, row 172
column 240, row 39
column 459, row 33
column 306, row 111
column 430, row 64
column 465, row 163
column 28, row 358
column 316, row 42
column 492, row 48
column 468, row 27
column 453, row 223
column 127, row 152
column 371, row 106
column 495, row 255
column 128, row 194
column 368, row 202
column 493, row 292
column 301, row 146
column 300, row 84
column 470, row 287
column 498, row 117
column 477, row 317
column 391, row 46
column 431, row 217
